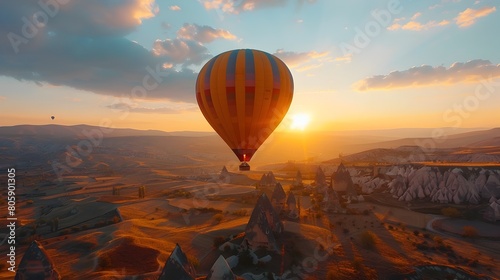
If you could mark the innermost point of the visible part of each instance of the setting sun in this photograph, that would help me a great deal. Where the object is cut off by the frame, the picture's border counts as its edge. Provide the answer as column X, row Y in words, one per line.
column 300, row 121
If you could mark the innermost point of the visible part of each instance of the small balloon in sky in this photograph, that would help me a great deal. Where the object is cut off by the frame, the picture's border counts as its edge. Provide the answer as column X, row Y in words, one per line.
column 52, row 117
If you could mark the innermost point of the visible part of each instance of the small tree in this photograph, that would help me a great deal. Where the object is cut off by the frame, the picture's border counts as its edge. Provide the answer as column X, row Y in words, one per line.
column 438, row 240
column 450, row 212
column 298, row 205
column 142, row 191
column 469, row 231
column 218, row 217
column 218, row 241
column 194, row 261
column 367, row 239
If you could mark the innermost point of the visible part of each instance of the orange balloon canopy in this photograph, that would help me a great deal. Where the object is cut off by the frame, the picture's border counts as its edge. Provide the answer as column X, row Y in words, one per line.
column 244, row 95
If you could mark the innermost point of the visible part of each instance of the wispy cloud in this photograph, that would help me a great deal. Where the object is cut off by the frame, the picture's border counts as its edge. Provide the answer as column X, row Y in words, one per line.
column 470, row 16
column 125, row 107
column 425, row 75
column 466, row 18
column 179, row 51
column 203, row 34
column 188, row 48
column 175, row 8
column 302, row 61
column 344, row 58
column 238, row 6
column 414, row 25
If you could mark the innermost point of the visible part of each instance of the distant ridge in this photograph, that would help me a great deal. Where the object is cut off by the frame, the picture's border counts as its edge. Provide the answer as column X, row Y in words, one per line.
column 283, row 146
column 81, row 129
column 471, row 138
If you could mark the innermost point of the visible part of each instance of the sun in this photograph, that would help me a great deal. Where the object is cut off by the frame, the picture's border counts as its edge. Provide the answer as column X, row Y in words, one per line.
column 300, row 121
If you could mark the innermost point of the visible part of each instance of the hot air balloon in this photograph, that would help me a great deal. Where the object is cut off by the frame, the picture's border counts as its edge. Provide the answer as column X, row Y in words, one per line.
column 244, row 94
column 52, row 117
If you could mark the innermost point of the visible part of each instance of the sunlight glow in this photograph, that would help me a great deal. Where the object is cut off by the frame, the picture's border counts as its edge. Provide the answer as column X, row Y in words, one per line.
column 300, row 121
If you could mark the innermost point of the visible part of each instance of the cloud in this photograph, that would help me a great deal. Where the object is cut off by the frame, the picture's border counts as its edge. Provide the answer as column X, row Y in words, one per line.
column 416, row 15
column 179, row 51
column 301, row 61
column 345, row 58
column 175, row 8
column 415, row 25
column 203, row 34
column 469, row 16
column 238, row 6
column 77, row 18
column 83, row 46
column 125, row 107
column 425, row 75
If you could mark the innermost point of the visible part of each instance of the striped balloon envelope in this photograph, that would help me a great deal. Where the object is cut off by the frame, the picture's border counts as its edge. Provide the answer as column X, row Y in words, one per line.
column 244, row 95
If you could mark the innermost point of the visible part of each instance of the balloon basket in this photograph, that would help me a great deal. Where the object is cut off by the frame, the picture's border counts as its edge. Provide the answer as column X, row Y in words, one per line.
column 244, row 166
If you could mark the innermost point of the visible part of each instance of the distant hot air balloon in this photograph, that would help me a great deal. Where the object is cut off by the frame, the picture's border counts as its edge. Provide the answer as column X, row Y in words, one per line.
column 244, row 95
column 52, row 117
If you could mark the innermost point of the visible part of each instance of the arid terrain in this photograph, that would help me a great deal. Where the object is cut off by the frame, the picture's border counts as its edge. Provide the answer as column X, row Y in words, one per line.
column 83, row 202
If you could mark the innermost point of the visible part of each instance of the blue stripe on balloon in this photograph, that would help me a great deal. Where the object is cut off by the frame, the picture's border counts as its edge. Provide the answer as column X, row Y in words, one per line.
column 208, row 93
column 249, row 82
column 249, row 68
column 275, row 70
column 231, row 83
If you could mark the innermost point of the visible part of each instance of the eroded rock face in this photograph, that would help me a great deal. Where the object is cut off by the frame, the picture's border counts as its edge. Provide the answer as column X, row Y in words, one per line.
column 458, row 185
column 36, row 264
column 177, row 266
column 221, row 271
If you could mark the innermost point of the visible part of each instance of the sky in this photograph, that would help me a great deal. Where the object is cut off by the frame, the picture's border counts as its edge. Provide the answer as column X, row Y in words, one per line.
column 357, row 65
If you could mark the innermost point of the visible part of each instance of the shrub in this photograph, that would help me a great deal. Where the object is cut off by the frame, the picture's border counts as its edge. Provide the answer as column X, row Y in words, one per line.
column 357, row 263
column 240, row 212
column 218, row 240
column 367, row 239
column 469, row 231
column 104, row 262
column 331, row 275
column 245, row 258
column 194, row 261
column 416, row 232
column 218, row 217
column 116, row 220
column 450, row 212
column 438, row 240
